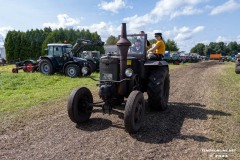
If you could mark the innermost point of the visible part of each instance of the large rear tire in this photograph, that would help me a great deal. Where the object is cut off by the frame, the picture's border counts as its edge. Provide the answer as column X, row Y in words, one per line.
column 158, row 88
column 134, row 111
column 80, row 105
column 46, row 67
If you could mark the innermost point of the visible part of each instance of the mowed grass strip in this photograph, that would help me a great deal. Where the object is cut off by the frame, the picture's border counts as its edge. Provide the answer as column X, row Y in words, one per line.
column 24, row 90
column 226, row 95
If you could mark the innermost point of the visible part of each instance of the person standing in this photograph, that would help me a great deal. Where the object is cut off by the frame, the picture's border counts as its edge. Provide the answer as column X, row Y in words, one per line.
column 148, row 43
column 158, row 50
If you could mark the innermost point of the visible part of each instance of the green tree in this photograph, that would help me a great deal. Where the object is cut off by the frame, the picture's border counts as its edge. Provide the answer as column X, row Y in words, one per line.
column 112, row 40
column 171, row 45
column 208, row 50
column 199, row 48
column 233, row 46
column 9, row 46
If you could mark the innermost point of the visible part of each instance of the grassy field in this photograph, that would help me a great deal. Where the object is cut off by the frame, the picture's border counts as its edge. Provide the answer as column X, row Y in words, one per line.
column 24, row 90
column 226, row 97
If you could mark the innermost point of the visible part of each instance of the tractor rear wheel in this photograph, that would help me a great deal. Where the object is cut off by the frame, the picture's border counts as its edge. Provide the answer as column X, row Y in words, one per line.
column 80, row 105
column 28, row 67
column 134, row 111
column 72, row 70
column 92, row 66
column 158, row 88
column 46, row 67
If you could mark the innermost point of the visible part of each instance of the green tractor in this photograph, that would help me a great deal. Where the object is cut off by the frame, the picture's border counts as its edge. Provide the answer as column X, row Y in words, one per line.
column 60, row 58
column 127, row 74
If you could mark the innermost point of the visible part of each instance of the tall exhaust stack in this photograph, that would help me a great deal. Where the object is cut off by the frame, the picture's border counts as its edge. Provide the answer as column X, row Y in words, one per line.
column 123, row 45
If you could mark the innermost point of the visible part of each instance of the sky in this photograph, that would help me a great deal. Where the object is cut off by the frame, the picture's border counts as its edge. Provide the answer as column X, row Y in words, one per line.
column 187, row 22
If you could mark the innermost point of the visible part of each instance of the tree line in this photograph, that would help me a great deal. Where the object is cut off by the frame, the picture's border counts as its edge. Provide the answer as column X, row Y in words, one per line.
column 232, row 48
column 32, row 43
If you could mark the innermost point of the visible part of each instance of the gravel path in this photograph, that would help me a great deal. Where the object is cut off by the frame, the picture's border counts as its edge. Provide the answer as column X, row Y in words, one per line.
column 181, row 132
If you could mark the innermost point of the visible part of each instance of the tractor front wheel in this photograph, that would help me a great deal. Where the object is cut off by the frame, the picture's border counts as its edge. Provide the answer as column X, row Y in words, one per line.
column 134, row 111
column 80, row 105
column 72, row 70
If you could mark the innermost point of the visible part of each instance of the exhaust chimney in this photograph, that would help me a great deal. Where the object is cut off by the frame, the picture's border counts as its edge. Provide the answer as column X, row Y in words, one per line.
column 123, row 45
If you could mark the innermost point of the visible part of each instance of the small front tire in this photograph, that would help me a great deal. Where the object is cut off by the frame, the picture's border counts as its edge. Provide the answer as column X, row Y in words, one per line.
column 80, row 105
column 134, row 111
column 72, row 70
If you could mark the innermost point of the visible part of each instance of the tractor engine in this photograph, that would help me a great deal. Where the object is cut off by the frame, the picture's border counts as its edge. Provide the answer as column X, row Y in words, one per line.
column 109, row 72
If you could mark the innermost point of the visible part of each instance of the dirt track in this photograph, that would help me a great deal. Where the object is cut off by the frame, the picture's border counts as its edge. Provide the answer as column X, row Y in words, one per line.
column 181, row 132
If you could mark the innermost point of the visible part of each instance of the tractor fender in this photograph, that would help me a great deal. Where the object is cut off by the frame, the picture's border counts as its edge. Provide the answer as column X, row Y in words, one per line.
column 30, row 61
column 92, row 60
column 155, row 63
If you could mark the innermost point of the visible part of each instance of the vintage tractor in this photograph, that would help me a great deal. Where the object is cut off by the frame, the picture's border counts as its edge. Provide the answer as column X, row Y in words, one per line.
column 125, row 75
column 26, row 65
column 60, row 59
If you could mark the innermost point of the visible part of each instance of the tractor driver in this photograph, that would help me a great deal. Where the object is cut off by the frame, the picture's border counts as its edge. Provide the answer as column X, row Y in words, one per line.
column 137, row 47
column 157, row 51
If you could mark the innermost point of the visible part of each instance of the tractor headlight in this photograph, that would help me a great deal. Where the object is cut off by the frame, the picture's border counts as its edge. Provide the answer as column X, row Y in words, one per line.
column 85, row 70
column 129, row 72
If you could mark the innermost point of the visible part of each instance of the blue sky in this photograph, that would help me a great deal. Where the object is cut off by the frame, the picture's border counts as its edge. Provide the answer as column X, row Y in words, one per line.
column 187, row 22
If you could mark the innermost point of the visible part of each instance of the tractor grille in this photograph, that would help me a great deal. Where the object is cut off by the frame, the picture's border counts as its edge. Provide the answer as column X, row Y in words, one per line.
column 109, row 68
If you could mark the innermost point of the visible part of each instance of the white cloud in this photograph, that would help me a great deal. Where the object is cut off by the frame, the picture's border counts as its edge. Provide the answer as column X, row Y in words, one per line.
column 185, row 33
column 112, row 6
column 228, row 39
column 3, row 33
column 221, row 39
column 136, row 22
column 103, row 29
column 4, row 30
column 164, row 9
column 64, row 21
column 238, row 38
column 229, row 6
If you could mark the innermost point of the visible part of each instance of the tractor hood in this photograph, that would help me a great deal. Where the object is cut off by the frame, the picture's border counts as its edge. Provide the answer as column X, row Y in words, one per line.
column 76, row 59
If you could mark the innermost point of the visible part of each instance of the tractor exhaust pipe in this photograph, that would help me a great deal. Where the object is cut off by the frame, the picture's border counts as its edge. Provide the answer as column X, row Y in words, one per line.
column 123, row 45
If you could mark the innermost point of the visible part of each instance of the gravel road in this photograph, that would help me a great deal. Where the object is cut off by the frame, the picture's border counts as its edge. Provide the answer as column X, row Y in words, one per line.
column 180, row 132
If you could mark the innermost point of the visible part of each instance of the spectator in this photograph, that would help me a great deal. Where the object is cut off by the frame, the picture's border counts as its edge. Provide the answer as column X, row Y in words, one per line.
column 148, row 43
column 157, row 51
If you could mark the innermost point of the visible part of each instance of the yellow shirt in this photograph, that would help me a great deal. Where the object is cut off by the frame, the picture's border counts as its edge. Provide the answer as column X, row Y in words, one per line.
column 160, row 47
